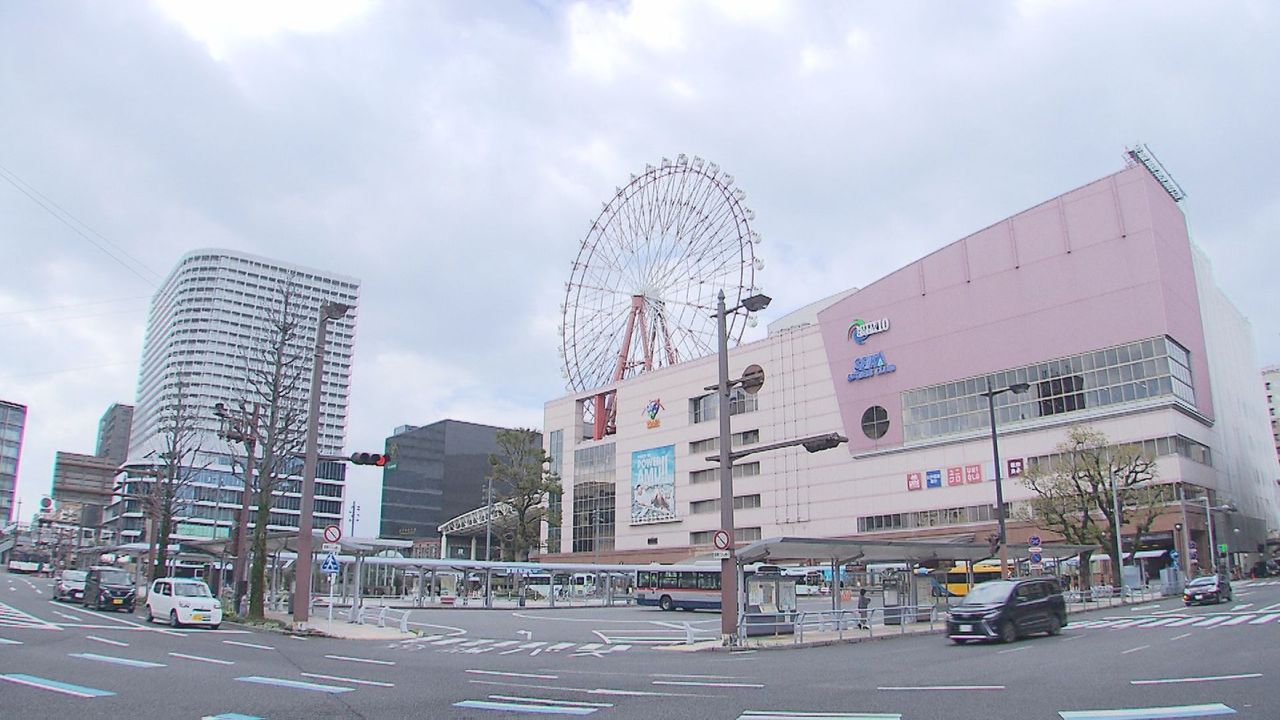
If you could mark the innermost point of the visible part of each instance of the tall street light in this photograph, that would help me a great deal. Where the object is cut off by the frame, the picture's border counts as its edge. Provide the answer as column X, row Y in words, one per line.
column 1208, row 516
column 234, row 429
column 990, row 395
column 302, row 566
column 751, row 383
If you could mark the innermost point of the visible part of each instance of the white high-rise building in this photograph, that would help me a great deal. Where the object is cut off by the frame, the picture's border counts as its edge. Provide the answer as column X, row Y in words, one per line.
column 207, row 322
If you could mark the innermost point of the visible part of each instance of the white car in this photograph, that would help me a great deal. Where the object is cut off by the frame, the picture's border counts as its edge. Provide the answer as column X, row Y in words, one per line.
column 183, row 601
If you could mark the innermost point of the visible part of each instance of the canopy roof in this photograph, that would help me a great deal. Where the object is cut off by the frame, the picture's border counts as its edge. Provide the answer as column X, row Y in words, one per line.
column 783, row 549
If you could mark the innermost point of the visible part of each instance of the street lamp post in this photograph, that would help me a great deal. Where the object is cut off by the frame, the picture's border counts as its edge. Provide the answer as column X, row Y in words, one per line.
column 302, row 566
column 488, row 539
column 990, row 395
column 1115, row 510
column 236, row 431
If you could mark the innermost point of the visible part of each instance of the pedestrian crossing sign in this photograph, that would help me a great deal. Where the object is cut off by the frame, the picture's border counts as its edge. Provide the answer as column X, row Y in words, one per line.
column 330, row 564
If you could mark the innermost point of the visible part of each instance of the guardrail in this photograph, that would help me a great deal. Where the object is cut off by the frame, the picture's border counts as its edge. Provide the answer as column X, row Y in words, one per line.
column 1108, row 596
column 872, row 621
column 361, row 615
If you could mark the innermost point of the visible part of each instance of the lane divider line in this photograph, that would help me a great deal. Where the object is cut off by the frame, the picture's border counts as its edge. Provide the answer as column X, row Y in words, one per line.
column 517, row 707
column 117, row 643
column 79, row 691
column 295, row 684
column 369, row 661
column 255, row 646
column 534, row 676
column 1152, row 713
column 1211, row 678
column 548, row 701
column 116, row 660
column 940, row 687
column 197, row 658
column 374, row 683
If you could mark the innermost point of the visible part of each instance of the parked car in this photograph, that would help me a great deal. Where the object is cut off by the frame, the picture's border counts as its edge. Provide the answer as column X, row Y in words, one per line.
column 70, row 585
column 1005, row 610
column 182, row 601
column 1205, row 589
column 109, row 588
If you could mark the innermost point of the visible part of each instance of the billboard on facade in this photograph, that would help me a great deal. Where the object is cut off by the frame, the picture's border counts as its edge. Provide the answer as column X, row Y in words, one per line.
column 653, row 485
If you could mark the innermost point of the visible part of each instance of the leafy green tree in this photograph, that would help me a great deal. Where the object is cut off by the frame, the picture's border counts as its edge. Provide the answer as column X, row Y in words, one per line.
column 523, row 482
column 1073, row 492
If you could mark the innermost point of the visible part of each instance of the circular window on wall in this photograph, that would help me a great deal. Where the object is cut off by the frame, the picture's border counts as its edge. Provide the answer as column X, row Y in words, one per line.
column 875, row 422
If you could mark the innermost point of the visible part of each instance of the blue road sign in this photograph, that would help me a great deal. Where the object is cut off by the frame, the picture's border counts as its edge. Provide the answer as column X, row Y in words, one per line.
column 1034, row 541
column 330, row 564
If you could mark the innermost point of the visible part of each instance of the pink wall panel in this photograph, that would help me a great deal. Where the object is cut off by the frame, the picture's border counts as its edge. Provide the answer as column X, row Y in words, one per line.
column 1109, row 290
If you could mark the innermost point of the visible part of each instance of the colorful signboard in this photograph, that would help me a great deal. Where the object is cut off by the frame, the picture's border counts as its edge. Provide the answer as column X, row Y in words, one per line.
column 651, row 412
column 653, row 485
column 955, row 476
column 973, row 473
column 933, row 478
column 914, row 481
column 860, row 330
column 870, row 366
column 1016, row 467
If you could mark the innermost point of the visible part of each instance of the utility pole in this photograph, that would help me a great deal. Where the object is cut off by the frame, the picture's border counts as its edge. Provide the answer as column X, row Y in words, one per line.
column 353, row 514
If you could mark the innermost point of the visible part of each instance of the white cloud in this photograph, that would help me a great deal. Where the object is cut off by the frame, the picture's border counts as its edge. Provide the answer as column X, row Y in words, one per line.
column 220, row 25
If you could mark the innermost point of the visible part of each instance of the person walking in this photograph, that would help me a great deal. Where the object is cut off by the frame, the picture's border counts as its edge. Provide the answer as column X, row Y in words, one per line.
column 864, row 602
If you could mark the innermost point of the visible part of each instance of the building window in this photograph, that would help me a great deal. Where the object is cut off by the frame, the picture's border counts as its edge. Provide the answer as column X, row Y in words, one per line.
column 740, row 502
column 593, row 517
column 706, row 407
column 713, row 474
column 1136, row 372
column 875, row 422
column 555, row 505
column 740, row 535
column 712, row 445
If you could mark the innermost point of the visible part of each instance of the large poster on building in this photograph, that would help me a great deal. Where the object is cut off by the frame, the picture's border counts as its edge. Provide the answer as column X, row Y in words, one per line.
column 653, row 485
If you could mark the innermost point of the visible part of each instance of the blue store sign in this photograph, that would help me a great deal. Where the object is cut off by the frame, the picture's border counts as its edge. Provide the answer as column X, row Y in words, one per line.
column 870, row 366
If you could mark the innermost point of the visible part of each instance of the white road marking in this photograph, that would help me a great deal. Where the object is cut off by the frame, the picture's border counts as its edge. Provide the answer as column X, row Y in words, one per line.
column 79, row 691
column 699, row 683
column 591, row 691
column 1270, row 608
column 533, row 676
column 1241, row 606
column 1210, row 622
column 941, row 687
column 248, row 645
column 1186, row 621
column 1179, row 637
column 1264, row 619
column 524, row 646
column 361, row 660
column 1238, row 620
column 72, row 618
column 449, row 641
column 698, row 677
column 1156, row 623
column 117, row 643
column 116, row 660
column 197, row 658
column 1211, row 678
column 1136, row 649
column 1013, row 650
column 374, row 683
column 547, row 701
column 7, row 641
column 1144, row 607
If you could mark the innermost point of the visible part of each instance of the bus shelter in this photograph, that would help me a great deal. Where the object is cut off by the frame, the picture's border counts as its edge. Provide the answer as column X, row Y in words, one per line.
column 901, row 591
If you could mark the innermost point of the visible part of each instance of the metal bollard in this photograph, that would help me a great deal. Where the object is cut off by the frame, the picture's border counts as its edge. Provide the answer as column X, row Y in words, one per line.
column 382, row 617
column 688, row 634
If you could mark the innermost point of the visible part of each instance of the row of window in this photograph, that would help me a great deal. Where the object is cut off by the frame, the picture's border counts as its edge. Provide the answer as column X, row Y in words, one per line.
column 740, row 535
column 713, row 474
column 707, row 407
column 712, row 445
column 1150, row 368
column 709, row 580
column 740, row 502
column 926, row 518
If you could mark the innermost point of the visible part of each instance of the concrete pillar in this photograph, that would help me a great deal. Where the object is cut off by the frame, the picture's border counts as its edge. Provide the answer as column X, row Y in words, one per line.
column 473, row 548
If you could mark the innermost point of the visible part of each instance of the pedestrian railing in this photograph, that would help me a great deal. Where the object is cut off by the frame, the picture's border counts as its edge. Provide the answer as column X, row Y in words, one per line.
column 846, row 622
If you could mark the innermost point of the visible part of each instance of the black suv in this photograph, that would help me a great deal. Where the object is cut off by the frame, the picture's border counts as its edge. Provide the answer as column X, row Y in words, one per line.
column 108, row 588
column 1006, row 610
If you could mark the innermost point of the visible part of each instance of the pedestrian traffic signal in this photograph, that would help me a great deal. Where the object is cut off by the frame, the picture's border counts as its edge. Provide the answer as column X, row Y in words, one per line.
column 368, row 459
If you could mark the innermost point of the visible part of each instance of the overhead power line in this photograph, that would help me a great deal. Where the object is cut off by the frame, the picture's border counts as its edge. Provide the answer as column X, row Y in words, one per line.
column 110, row 249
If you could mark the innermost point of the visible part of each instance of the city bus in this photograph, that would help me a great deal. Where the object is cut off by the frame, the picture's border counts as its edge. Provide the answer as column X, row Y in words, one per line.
column 809, row 580
column 682, row 587
column 956, row 581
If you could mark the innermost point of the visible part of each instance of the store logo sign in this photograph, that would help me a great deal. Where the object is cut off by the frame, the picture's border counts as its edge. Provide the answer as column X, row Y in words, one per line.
column 651, row 411
column 860, row 330
column 870, row 366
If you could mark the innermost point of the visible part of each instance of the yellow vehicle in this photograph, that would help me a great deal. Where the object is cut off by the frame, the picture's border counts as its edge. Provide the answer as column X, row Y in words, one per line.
column 956, row 581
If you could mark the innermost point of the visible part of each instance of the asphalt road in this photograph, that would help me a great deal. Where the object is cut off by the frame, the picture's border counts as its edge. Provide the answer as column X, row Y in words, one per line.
column 58, row 661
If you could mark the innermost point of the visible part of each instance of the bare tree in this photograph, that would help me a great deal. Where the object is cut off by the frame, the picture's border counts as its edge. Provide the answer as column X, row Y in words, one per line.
column 277, row 371
column 522, row 481
column 181, row 436
column 1074, row 492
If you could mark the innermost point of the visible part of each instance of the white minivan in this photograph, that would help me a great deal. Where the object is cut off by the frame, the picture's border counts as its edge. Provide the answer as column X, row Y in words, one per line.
column 183, row 601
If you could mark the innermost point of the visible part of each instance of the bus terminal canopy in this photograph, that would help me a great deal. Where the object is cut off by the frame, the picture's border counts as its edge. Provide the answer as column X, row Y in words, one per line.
column 787, row 549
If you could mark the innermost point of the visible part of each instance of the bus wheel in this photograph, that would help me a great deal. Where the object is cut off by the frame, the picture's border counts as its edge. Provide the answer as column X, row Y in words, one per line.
column 665, row 603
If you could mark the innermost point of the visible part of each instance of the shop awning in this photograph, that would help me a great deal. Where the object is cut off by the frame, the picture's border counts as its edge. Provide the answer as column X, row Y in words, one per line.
column 1149, row 553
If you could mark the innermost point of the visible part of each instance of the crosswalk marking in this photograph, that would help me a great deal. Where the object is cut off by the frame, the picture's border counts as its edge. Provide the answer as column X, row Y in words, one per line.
column 1237, row 620
column 12, row 617
column 1210, row 622
column 1265, row 619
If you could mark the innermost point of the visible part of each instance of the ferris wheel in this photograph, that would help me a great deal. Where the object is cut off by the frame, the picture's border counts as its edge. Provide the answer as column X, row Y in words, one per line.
column 642, row 292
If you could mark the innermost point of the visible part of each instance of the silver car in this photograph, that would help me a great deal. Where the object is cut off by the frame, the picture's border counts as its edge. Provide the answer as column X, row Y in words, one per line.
column 70, row 586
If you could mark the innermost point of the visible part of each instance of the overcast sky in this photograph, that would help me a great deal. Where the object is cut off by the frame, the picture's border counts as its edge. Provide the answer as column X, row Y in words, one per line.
column 453, row 155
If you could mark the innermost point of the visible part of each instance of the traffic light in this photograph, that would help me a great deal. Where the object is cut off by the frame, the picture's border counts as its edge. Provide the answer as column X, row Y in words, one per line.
column 368, row 459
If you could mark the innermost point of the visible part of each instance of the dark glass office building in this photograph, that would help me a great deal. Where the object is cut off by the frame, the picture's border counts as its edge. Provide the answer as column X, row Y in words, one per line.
column 433, row 474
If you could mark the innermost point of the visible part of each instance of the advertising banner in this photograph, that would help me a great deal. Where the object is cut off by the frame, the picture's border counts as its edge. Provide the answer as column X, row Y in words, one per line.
column 653, row 485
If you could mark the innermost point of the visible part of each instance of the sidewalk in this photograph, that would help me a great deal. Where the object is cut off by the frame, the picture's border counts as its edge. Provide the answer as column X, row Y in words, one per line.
column 319, row 624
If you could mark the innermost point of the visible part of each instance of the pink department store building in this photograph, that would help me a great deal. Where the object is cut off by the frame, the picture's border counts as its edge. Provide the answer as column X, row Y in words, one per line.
column 1096, row 298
